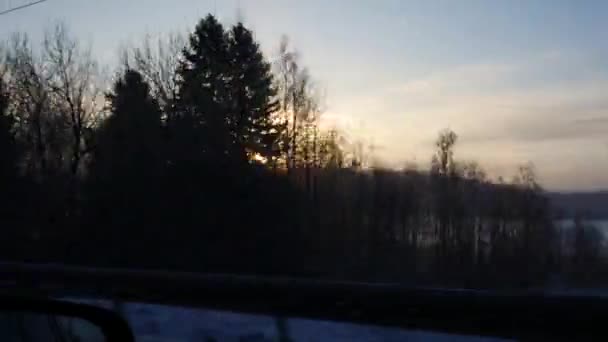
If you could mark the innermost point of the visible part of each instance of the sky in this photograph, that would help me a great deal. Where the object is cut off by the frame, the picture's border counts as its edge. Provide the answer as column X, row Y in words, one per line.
column 519, row 81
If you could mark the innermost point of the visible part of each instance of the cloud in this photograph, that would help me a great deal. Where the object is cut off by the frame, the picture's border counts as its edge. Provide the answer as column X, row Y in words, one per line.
column 593, row 121
column 553, row 114
column 450, row 82
column 502, row 102
column 539, row 110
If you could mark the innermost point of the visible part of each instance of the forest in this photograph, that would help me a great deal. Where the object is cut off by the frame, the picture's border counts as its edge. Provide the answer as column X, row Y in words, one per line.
column 201, row 153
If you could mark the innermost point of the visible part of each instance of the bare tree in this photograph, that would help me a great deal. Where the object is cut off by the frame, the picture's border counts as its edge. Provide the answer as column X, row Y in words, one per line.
column 443, row 168
column 331, row 154
column 443, row 161
column 526, row 177
column 157, row 61
column 72, row 81
column 27, row 79
column 298, row 102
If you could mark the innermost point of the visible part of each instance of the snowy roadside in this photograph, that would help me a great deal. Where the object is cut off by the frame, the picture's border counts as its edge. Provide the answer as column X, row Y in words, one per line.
column 159, row 323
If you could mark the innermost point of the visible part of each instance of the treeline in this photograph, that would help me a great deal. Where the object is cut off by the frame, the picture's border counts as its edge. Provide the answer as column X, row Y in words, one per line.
column 203, row 155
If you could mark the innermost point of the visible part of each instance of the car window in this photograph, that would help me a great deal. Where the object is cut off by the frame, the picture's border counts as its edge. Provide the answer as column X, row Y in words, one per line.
column 444, row 145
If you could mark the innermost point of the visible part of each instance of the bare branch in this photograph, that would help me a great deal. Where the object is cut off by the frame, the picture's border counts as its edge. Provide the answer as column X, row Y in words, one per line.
column 72, row 73
column 158, row 61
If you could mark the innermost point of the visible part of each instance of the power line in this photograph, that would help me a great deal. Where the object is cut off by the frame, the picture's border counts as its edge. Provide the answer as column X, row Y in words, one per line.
column 21, row 7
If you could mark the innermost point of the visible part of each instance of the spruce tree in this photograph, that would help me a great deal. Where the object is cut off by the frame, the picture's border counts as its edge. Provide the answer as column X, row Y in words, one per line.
column 253, row 96
column 200, row 130
column 129, row 140
column 126, row 172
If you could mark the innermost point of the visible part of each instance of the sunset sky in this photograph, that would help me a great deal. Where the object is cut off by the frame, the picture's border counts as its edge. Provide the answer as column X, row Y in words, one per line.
column 517, row 80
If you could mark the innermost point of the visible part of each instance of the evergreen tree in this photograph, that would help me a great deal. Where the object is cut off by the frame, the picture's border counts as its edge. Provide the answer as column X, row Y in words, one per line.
column 128, row 142
column 125, row 171
column 252, row 125
column 200, row 130
column 226, row 98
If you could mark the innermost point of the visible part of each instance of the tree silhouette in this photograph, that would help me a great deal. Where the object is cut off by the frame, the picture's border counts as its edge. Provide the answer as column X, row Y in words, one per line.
column 444, row 180
column 184, row 170
column 128, row 143
column 443, row 161
column 298, row 107
column 70, row 75
column 202, row 126
column 252, row 121
column 127, row 163
column 36, row 124
column 8, row 145
column 158, row 63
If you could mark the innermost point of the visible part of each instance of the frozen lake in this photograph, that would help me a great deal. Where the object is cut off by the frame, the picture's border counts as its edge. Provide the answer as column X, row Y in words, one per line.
column 602, row 225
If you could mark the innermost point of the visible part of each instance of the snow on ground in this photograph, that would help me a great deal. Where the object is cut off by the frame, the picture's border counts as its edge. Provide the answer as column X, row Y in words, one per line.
column 159, row 323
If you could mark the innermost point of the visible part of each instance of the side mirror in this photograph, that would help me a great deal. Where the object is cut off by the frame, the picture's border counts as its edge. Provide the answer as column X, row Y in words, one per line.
column 40, row 319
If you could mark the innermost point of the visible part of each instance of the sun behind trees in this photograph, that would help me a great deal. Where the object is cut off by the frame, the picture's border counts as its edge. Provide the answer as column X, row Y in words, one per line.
column 205, row 156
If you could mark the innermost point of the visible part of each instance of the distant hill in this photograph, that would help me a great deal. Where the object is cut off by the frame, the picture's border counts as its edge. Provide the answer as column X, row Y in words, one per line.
column 593, row 205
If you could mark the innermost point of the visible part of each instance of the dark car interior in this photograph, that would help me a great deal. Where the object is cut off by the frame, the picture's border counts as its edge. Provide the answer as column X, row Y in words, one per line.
column 525, row 316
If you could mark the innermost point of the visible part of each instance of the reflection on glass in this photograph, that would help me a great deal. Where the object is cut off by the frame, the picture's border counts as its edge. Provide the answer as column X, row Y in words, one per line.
column 151, row 322
column 34, row 327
